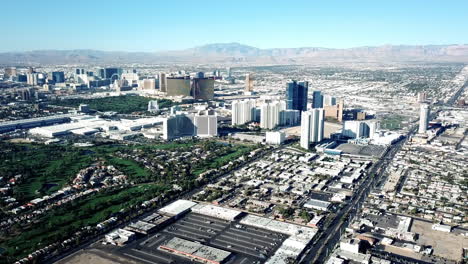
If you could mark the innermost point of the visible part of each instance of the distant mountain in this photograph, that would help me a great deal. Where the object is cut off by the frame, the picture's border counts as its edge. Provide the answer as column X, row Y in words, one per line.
column 239, row 53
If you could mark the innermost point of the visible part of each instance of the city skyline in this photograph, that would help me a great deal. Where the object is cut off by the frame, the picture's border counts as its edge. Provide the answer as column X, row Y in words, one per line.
column 152, row 27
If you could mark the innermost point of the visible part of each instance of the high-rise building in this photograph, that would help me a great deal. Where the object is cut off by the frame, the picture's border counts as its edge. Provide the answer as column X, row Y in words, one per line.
column 58, row 77
column 312, row 127
column 335, row 111
column 242, row 111
column 148, row 84
column 329, row 100
column 296, row 95
column 270, row 115
column 317, row 99
column 249, row 82
column 131, row 76
column 359, row 129
column 189, row 125
column 112, row 73
column 422, row 97
column 178, row 86
column 423, row 118
column 10, row 72
column 229, row 72
column 290, row 117
column 32, row 78
column 206, row 125
column 153, row 106
column 162, row 82
column 202, row 88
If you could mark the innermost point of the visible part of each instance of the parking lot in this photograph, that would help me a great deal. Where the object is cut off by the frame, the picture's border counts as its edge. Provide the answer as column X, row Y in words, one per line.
column 248, row 244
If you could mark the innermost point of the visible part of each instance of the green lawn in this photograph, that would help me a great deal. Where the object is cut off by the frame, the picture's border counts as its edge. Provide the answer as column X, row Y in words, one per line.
column 39, row 165
column 124, row 104
column 129, row 167
column 61, row 222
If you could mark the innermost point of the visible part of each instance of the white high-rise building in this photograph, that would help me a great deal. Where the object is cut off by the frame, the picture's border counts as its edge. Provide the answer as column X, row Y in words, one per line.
column 360, row 129
column 270, row 114
column 312, row 126
column 153, row 106
column 423, row 118
column 206, row 125
column 242, row 111
column 275, row 137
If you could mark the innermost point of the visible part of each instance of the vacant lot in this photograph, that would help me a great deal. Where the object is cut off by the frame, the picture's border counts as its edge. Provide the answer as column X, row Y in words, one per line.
column 446, row 245
column 94, row 256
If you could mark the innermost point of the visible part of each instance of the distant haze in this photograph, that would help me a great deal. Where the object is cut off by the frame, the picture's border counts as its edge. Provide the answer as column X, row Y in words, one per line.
column 235, row 53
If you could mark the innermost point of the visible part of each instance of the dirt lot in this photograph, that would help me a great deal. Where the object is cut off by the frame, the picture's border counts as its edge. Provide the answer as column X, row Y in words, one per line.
column 446, row 245
column 94, row 256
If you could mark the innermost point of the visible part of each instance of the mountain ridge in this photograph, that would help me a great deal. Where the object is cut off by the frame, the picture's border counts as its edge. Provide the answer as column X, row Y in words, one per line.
column 235, row 52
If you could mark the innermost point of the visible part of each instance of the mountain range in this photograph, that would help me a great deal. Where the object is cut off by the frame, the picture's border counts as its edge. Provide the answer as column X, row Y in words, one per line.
column 235, row 53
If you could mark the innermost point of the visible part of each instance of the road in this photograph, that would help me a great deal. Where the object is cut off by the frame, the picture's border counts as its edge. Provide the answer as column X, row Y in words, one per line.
column 328, row 239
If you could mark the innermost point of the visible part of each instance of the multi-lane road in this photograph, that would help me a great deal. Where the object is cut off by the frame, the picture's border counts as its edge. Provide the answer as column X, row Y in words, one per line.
column 327, row 240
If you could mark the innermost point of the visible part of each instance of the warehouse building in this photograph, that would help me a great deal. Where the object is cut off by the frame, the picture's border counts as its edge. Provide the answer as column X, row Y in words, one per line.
column 195, row 251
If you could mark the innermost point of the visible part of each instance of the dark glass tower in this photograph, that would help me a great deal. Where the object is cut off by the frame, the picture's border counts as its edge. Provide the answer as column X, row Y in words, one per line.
column 296, row 95
column 58, row 77
column 317, row 100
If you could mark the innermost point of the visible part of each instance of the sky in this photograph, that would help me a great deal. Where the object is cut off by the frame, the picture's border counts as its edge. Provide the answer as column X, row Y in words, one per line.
column 156, row 25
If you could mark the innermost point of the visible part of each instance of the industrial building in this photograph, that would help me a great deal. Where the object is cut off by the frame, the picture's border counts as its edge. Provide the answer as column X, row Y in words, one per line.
column 177, row 208
column 34, row 122
column 195, row 251
column 88, row 125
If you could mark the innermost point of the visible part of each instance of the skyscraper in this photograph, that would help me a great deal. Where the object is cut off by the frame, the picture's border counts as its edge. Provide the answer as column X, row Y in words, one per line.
column 202, row 88
column 178, row 86
column 162, row 82
column 58, row 77
column 317, row 99
column 423, row 118
column 242, row 111
column 248, row 82
column 112, row 73
column 206, row 125
column 312, row 127
column 270, row 115
column 296, row 95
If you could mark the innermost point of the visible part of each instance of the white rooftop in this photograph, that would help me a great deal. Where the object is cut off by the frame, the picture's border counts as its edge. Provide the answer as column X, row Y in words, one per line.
column 177, row 207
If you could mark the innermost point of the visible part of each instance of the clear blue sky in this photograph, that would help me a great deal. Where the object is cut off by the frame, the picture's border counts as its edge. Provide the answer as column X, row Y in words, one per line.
column 153, row 25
